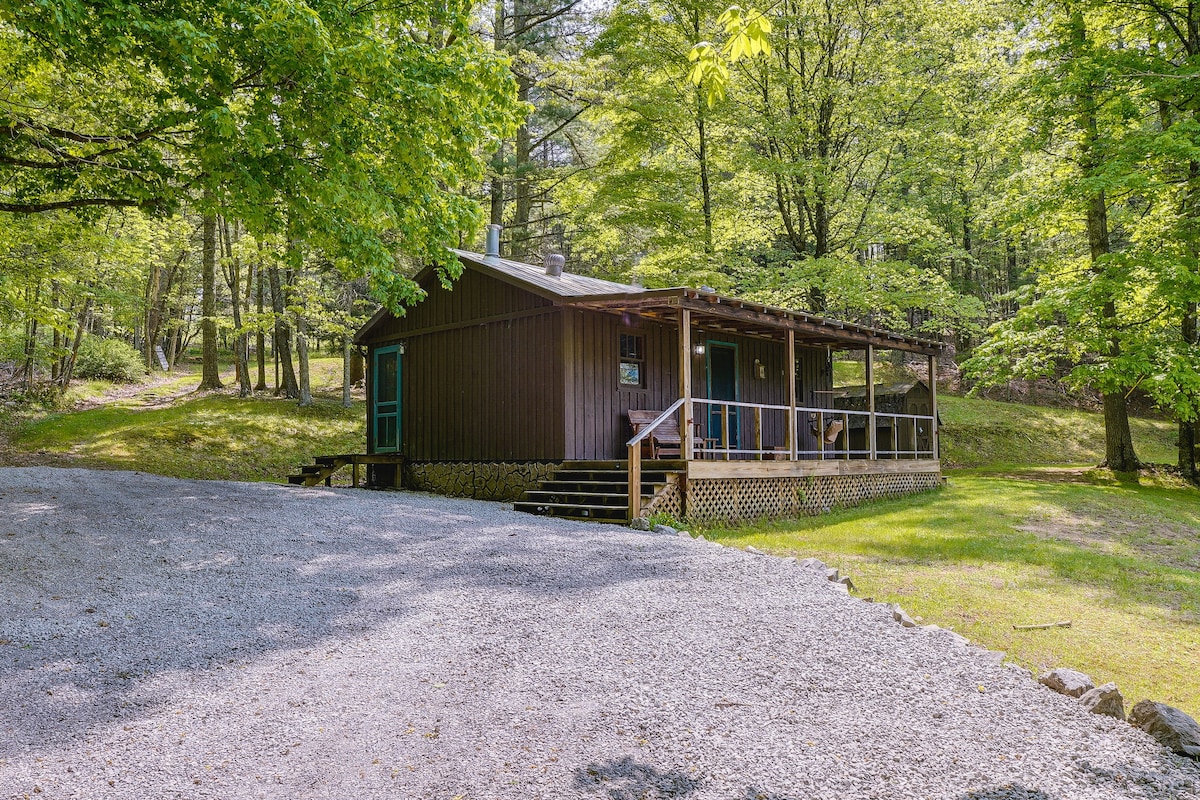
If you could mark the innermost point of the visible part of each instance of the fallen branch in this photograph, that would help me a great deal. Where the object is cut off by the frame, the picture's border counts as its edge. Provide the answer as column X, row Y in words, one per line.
column 1063, row 624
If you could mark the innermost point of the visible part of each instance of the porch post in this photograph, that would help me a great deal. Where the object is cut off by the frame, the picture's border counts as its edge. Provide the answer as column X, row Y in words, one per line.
column 871, row 402
column 790, row 358
column 687, row 430
column 933, row 404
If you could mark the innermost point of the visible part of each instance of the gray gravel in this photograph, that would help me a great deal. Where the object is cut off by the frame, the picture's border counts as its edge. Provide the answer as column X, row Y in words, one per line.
column 171, row 638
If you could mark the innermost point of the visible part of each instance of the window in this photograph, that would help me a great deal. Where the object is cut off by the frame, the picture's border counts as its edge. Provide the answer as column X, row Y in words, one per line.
column 633, row 359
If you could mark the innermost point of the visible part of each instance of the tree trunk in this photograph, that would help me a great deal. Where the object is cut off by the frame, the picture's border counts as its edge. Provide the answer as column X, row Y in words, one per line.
column 1186, row 442
column 260, row 338
column 57, row 341
column 241, row 341
column 31, row 329
column 81, row 325
column 522, row 186
column 1118, row 442
column 1119, row 455
column 347, row 373
column 283, row 345
column 210, row 376
column 302, row 358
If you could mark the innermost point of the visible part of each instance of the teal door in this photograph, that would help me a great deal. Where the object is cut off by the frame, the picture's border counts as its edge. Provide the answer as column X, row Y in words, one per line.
column 723, row 385
column 385, row 426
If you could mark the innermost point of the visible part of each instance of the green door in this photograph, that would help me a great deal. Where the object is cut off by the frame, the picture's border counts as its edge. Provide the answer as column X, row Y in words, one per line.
column 386, row 382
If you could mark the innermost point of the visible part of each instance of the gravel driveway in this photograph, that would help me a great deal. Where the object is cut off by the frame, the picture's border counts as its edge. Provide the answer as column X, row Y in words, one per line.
column 162, row 638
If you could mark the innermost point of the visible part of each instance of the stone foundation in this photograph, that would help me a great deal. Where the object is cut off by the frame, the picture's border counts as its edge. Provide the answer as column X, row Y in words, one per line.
column 729, row 500
column 481, row 480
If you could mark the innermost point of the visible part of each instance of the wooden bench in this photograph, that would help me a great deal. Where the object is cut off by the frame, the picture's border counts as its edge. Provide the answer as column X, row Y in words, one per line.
column 664, row 440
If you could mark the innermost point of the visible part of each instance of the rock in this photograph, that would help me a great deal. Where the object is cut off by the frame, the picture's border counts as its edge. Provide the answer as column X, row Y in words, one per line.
column 814, row 564
column 904, row 619
column 958, row 638
column 667, row 529
column 1169, row 726
column 991, row 656
column 640, row 524
column 831, row 573
column 752, row 549
column 1104, row 700
column 845, row 581
column 1067, row 681
column 841, row 587
column 683, row 534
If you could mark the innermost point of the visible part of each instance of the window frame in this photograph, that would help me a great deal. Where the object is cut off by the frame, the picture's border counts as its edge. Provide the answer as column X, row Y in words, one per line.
column 634, row 356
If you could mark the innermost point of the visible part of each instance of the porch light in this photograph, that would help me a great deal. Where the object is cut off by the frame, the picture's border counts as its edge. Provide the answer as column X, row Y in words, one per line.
column 699, row 349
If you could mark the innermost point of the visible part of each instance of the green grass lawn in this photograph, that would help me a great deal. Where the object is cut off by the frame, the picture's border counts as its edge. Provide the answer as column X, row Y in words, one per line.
column 165, row 428
column 989, row 433
column 1121, row 561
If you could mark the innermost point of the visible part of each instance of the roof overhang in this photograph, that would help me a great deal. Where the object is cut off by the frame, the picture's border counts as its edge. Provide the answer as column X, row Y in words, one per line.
column 711, row 311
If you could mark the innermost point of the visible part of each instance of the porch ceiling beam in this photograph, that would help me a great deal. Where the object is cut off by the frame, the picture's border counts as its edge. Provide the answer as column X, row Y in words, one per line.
column 627, row 303
column 833, row 333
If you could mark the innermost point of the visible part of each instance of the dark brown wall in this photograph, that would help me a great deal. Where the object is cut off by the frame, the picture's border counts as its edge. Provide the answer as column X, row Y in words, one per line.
column 542, row 384
column 473, row 296
column 480, row 392
column 595, row 402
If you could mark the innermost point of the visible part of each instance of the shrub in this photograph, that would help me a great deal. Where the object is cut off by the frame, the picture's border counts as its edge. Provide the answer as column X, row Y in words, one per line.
column 109, row 359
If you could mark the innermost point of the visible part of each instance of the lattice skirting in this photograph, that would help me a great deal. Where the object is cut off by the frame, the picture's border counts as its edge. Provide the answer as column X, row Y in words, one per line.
column 739, row 499
column 668, row 501
column 482, row 480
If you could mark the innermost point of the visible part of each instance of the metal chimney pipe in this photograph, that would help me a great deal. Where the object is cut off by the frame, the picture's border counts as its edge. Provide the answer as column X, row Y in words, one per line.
column 554, row 264
column 493, row 240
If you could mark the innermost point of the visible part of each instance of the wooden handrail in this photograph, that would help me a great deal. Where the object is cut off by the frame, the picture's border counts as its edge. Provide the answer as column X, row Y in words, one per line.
column 659, row 420
column 635, row 457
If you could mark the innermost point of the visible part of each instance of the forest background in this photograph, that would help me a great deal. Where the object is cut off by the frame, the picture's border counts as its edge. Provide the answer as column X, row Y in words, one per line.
column 1018, row 179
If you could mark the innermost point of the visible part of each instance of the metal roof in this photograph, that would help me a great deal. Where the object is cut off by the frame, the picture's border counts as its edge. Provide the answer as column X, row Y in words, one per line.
column 723, row 313
column 564, row 286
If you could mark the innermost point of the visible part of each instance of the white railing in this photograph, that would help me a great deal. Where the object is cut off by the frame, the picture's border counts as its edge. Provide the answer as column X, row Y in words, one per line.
column 724, row 424
column 718, row 427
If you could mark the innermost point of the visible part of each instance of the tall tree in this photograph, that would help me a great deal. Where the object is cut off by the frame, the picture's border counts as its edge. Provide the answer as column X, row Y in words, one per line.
column 356, row 124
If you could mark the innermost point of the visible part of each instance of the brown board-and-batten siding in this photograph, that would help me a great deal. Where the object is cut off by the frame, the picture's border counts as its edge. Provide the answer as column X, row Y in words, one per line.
column 481, row 373
column 596, row 402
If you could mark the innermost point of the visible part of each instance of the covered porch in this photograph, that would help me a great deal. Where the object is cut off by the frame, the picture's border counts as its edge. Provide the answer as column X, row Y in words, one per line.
column 811, row 452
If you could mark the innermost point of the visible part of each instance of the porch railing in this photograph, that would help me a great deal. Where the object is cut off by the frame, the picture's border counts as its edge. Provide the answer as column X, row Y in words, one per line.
column 720, row 424
column 635, row 456
column 723, row 426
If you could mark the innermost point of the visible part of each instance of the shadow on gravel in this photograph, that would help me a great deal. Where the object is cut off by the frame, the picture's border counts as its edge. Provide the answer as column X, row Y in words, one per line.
column 119, row 589
column 1014, row 792
column 626, row 779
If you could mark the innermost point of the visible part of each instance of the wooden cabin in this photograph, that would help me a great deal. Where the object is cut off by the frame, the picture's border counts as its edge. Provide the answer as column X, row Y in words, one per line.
column 517, row 383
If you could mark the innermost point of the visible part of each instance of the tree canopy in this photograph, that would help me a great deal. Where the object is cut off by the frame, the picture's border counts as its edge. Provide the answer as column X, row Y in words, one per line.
column 1019, row 180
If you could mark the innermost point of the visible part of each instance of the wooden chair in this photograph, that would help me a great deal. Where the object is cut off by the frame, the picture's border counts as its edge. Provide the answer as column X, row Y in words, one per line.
column 664, row 440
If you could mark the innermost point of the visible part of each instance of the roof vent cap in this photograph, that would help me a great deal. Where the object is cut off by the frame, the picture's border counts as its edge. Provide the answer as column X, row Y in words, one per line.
column 493, row 241
column 554, row 264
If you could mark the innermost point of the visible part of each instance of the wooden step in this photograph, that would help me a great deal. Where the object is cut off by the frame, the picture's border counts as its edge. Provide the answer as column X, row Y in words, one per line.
column 582, row 498
column 597, row 487
column 590, row 476
column 574, row 511
column 623, row 465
